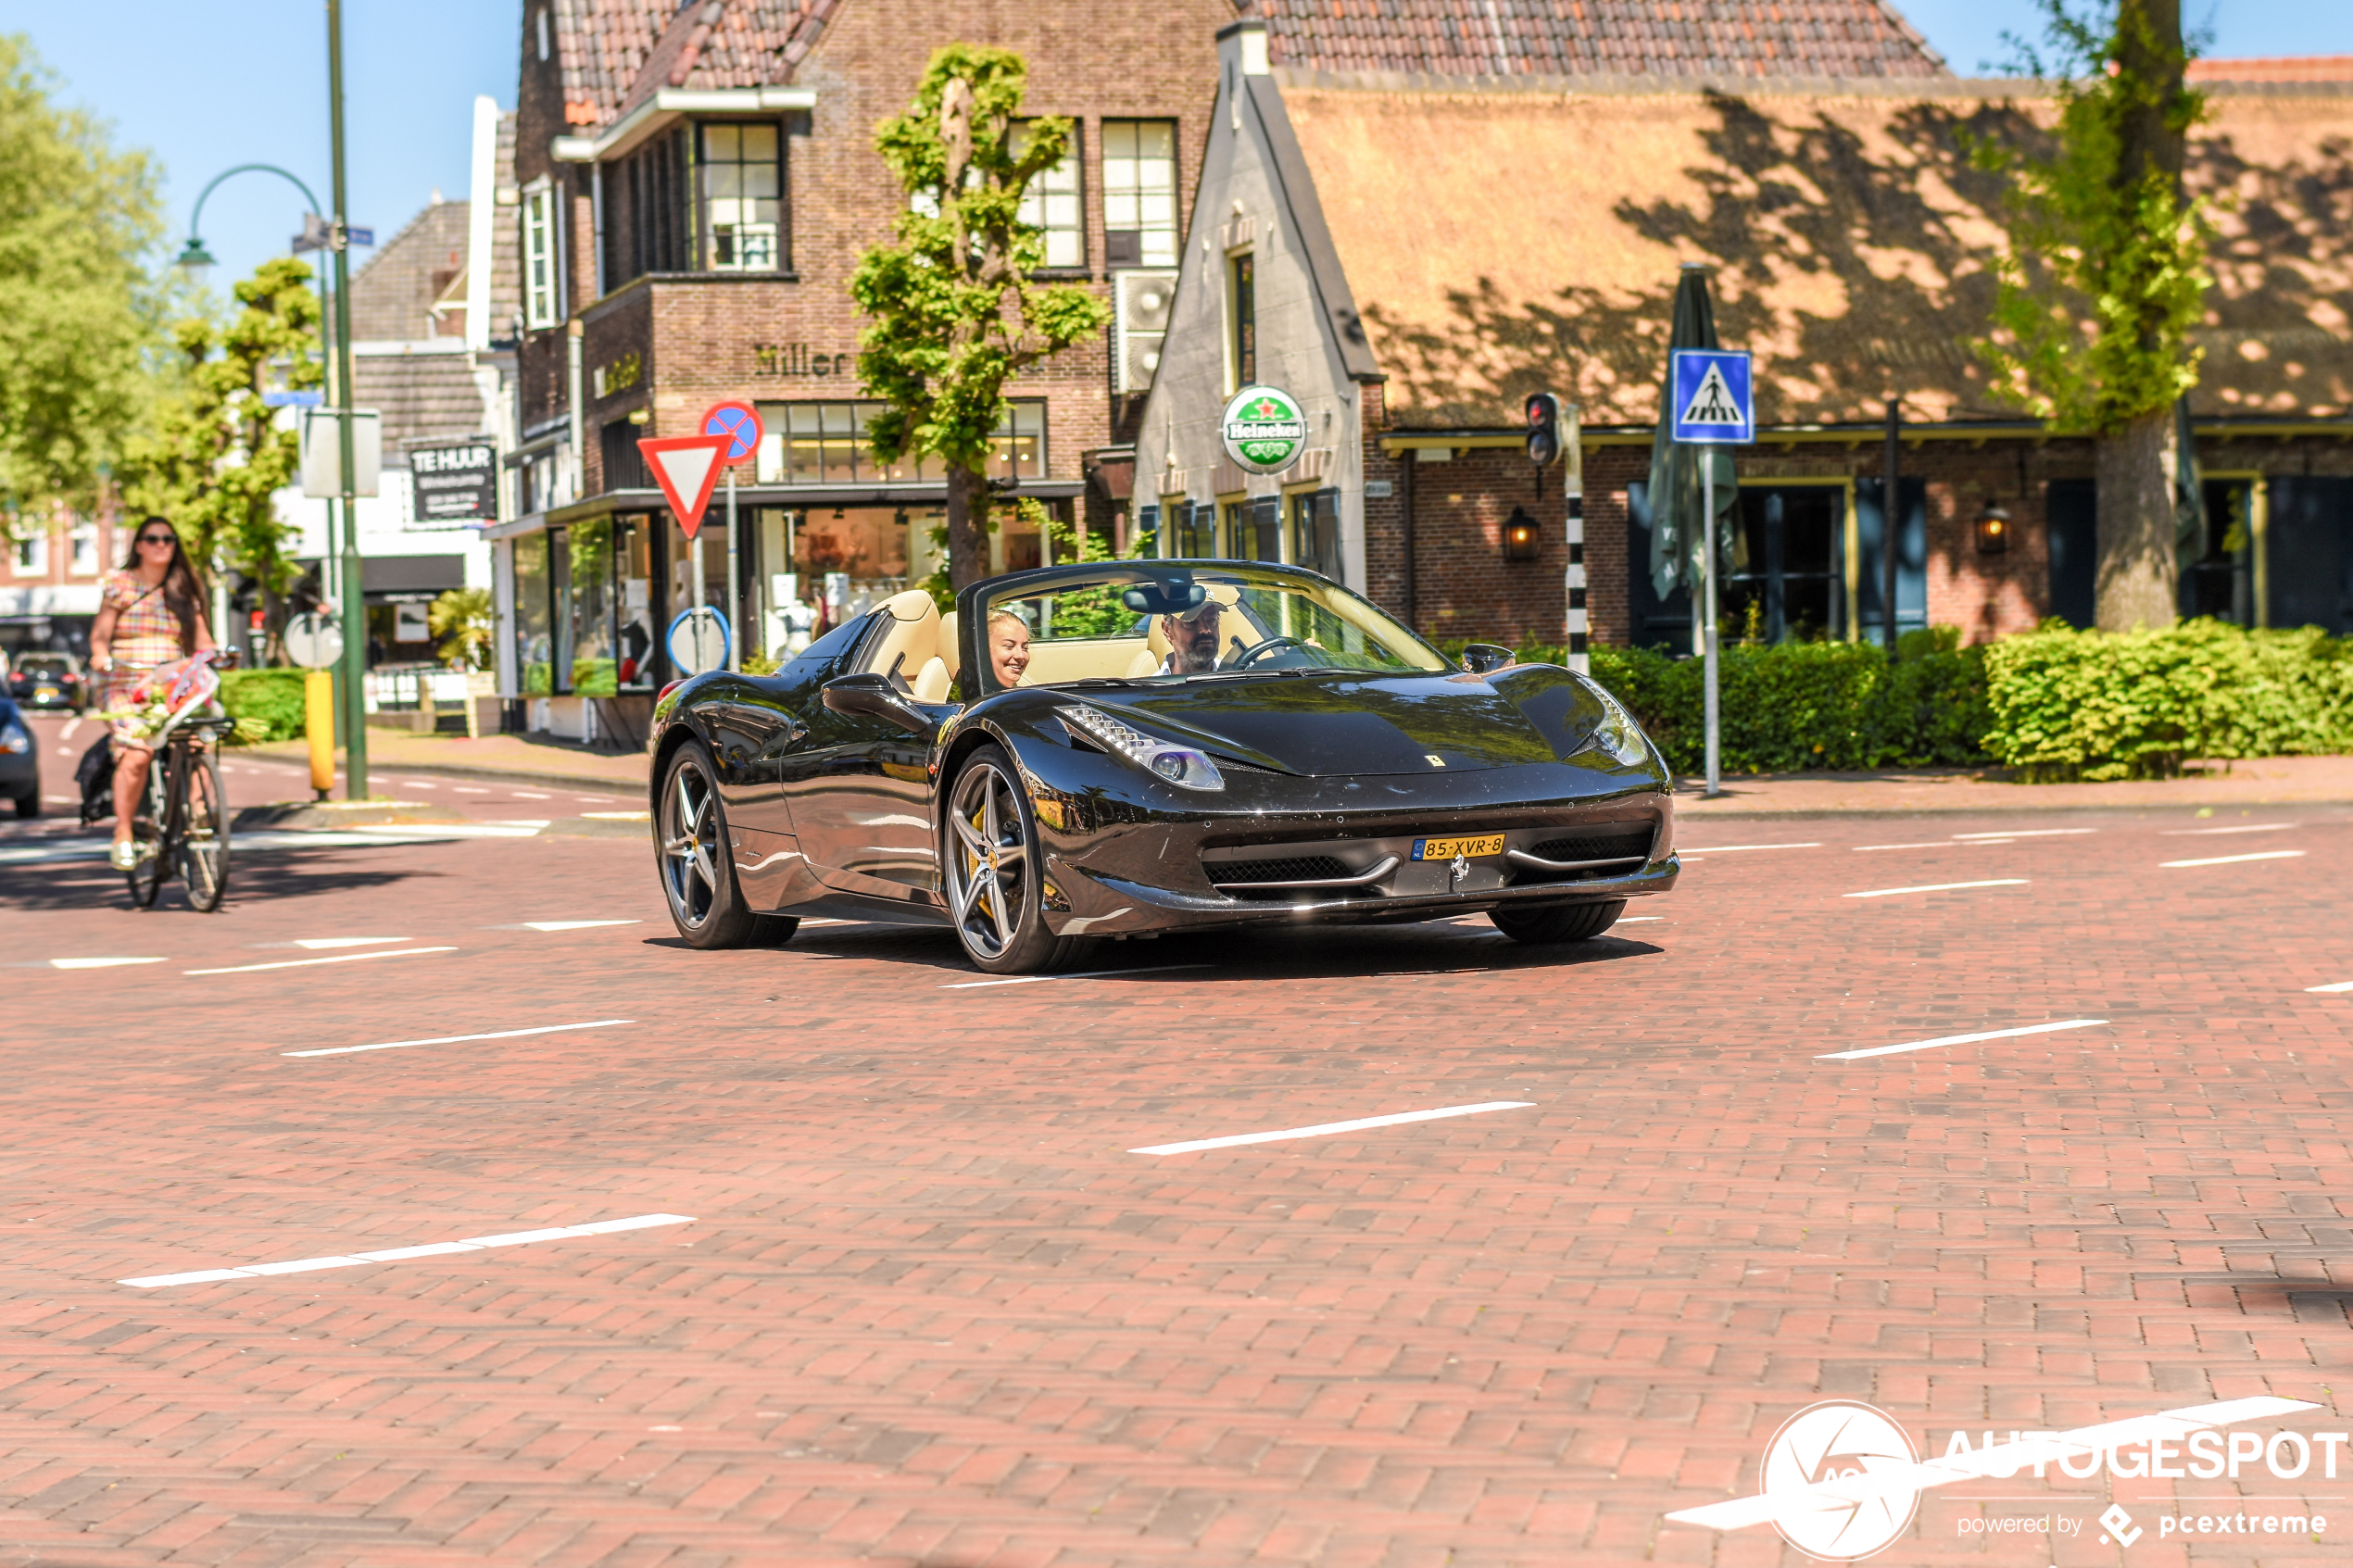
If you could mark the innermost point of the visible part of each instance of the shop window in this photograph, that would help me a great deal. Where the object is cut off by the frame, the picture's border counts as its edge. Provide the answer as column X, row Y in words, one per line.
column 1195, row 525
column 560, row 621
column 1051, row 202
column 1787, row 576
column 539, row 257
column 594, row 672
column 634, row 648
column 1139, row 193
column 1241, row 311
column 1314, row 532
column 535, row 650
column 743, row 209
column 829, row 443
column 1254, row 529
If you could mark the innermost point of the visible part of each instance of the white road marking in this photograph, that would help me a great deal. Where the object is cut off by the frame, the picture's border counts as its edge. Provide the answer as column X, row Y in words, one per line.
column 1326, row 1129
column 618, row 816
column 2340, row 986
column 1932, row 844
column 2251, row 827
column 527, row 795
column 399, row 1254
column 2239, row 860
column 2026, row 832
column 98, row 963
column 457, row 829
column 1963, row 1039
column 299, row 964
column 455, row 1039
column 71, row 725
column 1637, row 919
column 573, row 924
column 1090, row 975
column 415, row 784
column 1737, row 849
column 318, row 941
column 1937, row 887
column 598, row 799
column 1996, row 1459
column 469, row 789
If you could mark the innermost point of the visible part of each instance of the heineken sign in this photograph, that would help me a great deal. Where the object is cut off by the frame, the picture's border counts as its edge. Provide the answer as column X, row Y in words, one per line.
column 1264, row 429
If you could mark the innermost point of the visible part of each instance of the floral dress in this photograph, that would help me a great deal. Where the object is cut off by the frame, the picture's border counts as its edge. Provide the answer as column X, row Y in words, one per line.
column 147, row 632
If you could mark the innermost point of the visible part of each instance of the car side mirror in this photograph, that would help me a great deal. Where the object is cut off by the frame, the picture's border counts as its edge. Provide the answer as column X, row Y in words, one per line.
column 874, row 695
column 1480, row 658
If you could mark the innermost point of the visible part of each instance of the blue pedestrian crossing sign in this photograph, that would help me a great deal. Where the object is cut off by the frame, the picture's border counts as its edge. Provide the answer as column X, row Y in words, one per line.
column 1714, row 399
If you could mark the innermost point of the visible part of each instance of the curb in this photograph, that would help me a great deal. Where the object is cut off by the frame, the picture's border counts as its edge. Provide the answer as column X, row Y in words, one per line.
column 631, row 789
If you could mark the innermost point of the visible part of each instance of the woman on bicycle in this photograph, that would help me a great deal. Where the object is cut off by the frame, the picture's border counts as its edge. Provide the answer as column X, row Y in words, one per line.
column 150, row 612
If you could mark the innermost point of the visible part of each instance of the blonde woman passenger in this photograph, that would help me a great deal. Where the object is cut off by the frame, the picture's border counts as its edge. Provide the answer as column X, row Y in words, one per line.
column 1009, row 648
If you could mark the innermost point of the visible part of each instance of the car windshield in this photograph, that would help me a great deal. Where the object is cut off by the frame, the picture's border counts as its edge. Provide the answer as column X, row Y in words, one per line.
column 1141, row 621
column 48, row 668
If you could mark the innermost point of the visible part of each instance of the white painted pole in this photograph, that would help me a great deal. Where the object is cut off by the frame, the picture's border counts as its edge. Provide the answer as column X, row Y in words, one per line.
column 734, row 582
column 1707, row 577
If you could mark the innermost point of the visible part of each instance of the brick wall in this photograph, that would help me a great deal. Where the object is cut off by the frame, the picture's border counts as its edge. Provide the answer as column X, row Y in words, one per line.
column 701, row 338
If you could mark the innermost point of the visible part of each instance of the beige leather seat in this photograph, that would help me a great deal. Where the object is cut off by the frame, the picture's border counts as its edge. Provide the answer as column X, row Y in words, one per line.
column 912, row 646
column 937, row 680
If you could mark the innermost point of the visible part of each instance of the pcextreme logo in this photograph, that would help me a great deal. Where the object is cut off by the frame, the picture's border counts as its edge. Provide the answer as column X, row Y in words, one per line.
column 1843, row 1480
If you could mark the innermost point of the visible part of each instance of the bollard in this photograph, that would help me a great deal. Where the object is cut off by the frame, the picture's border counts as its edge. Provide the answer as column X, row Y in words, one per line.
column 319, row 723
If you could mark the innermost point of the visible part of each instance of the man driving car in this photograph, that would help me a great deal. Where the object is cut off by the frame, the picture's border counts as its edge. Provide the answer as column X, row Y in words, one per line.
column 1192, row 640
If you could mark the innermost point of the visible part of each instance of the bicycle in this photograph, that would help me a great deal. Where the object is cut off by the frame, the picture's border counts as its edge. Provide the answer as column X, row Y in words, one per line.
column 185, row 820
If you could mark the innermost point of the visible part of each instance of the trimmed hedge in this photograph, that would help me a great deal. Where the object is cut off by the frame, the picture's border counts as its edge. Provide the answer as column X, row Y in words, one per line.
column 269, row 697
column 2073, row 704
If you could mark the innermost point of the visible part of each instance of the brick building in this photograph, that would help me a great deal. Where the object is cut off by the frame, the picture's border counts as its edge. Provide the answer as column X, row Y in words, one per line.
column 55, row 561
column 1410, row 236
column 693, row 188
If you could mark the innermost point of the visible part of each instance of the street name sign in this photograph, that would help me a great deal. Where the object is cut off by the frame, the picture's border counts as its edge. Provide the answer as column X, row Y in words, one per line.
column 1714, row 399
column 1264, row 429
column 687, row 466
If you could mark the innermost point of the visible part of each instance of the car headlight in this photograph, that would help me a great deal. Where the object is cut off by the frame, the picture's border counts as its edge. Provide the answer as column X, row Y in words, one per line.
column 1616, row 735
column 14, row 740
column 1184, row 766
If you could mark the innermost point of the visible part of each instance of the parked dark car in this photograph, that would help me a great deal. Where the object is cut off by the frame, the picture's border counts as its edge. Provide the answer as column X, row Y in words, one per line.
column 47, row 679
column 1329, row 766
column 19, row 761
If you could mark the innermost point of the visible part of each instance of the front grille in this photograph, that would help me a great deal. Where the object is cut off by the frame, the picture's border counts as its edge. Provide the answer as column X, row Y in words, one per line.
column 1303, row 868
column 1608, row 844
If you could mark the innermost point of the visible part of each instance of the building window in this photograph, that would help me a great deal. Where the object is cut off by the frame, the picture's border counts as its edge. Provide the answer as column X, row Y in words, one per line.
column 1139, row 193
column 1195, row 527
column 1315, row 538
column 1242, row 307
column 1051, row 202
column 539, row 257
column 651, row 231
column 828, row 444
column 85, row 548
column 742, row 178
column 32, row 552
column 1254, row 529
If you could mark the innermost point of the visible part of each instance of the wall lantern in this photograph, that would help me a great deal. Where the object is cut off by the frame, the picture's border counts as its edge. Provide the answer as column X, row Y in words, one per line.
column 1519, row 535
column 1993, row 530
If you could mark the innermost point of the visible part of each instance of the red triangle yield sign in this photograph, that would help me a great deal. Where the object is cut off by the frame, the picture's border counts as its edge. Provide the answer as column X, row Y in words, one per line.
column 687, row 466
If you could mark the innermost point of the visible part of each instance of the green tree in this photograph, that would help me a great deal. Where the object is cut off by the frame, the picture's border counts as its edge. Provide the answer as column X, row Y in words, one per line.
column 2104, row 276
column 953, row 312
column 214, row 455
column 461, row 622
column 80, row 313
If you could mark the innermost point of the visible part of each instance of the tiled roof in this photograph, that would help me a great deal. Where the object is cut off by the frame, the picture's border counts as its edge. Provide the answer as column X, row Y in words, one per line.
column 1851, row 243
column 392, row 295
column 2289, row 67
column 419, row 396
column 1711, row 38
column 617, row 53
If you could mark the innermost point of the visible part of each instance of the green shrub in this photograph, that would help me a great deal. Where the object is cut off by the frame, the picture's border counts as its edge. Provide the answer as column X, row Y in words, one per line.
column 271, row 698
column 2095, row 705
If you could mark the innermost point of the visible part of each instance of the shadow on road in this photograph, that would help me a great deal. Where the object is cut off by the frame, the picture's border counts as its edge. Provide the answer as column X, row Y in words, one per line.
column 281, row 874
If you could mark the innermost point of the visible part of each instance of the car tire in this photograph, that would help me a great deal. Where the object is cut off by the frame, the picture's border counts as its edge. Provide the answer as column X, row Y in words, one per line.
column 691, row 849
column 989, row 857
column 29, row 805
column 1557, row 922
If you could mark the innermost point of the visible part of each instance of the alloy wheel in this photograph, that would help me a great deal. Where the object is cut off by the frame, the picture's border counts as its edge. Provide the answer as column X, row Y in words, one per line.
column 988, row 862
column 690, row 845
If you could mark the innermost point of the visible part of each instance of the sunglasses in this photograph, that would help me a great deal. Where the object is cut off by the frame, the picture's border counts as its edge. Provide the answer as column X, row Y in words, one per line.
column 159, row 539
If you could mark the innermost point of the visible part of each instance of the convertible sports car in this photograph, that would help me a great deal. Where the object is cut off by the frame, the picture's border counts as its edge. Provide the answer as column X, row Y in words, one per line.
column 1120, row 749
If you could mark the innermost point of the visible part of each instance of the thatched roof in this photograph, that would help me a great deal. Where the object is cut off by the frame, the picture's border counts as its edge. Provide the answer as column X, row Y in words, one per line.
column 1503, row 241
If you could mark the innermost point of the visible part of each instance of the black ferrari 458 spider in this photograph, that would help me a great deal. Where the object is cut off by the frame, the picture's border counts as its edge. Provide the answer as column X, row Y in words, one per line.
column 1120, row 749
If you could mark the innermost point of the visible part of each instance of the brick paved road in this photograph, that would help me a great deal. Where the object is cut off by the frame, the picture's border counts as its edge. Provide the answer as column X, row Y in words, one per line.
column 930, row 1310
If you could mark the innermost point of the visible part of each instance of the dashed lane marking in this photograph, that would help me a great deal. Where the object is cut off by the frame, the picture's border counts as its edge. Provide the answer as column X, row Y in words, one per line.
column 2239, row 860
column 2025, row 833
column 2250, row 827
column 401, row 1254
column 456, row 1039
column 1326, row 1129
column 2340, row 986
column 1937, row 887
column 1090, row 975
column 1738, row 848
column 300, row 963
column 573, row 924
column 99, row 963
column 1963, row 1039
column 319, row 943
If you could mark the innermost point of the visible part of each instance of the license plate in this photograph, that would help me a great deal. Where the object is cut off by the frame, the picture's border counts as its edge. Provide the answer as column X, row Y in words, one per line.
column 45, row 694
column 1447, row 848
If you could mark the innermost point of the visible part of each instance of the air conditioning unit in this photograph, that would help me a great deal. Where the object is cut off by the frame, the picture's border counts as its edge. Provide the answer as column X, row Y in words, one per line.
column 1140, row 303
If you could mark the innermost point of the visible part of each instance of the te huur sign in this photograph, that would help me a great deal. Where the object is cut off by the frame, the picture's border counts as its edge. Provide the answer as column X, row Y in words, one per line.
column 454, row 483
column 801, row 359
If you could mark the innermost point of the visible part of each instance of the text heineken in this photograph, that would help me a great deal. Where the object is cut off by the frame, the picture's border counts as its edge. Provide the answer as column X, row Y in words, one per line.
column 1263, row 429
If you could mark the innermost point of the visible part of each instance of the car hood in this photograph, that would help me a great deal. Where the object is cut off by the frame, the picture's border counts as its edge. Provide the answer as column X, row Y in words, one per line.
column 1329, row 724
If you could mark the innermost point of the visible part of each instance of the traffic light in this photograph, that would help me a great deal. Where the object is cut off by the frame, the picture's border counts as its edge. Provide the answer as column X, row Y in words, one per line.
column 1543, row 428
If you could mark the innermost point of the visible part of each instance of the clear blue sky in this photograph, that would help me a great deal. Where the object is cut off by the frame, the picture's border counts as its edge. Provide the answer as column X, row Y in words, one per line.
column 210, row 83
